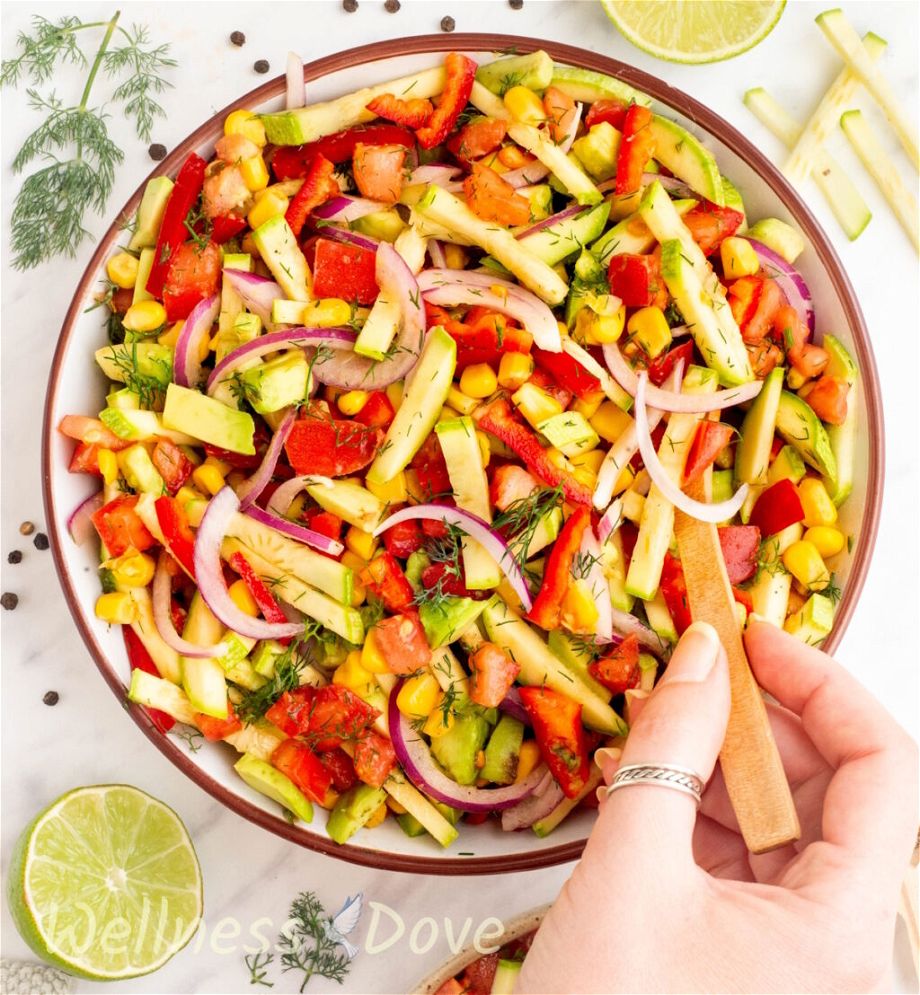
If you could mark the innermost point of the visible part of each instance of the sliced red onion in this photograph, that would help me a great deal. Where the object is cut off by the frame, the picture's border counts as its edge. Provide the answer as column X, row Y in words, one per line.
column 610, row 521
column 353, row 372
column 210, row 575
column 448, row 287
column 438, row 173
column 197, row 327
column 282, row 497
column 597, row 584
column 436, row 253
column 535, row 171
column 258, row 293
column 546, row 796
column 626, row 446
column 512, row 705
column 333, row 338
column 301, row 533
column 257, row 483
column 668, row 400
column 346, row 208
column 80, row 524
column 350, row 237
column 790, row 282
column 415, row 759
column 296, row 92
column 719, row 512
column 569, row 212
column 474, row 527
column 625, row 624
column 162, row 618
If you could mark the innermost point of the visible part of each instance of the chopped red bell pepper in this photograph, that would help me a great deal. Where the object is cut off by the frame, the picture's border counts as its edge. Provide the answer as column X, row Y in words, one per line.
column 194, row 275
column 431, row 469
column 710, row 438
column 567, row 372
column 302, row 766
column 180, row 540
column 318, row 187
column 270, row 609
column 341, row 768
column 743, row 598
column 828, row 399
column 331, row 448
column 618, row 670
column 482, row 337
column 612, row 111
column 402, row 643
column 769, row 301
column 636, row 148
column 461, row 74
column 660, row 369
column 292, row 162
column 140, row 659
column 375, row 757
column 384, row 578
column 214, row 729
column 557, row 573
column 120, row 527
column 324, row 522
column 493, row 199
column 345, row 271
column 740, row 546
column 478, row 138
column 183, row 197
column 637, row 281
column 673, row 589
column 91, row 430
column 540, row 378
column 377, row 412
column 710, row 225
column 493, row 674
column 404, row 539
column 225, row 227
column 743, row 295
column 172, row 464
column 85, row 459
column 411, row 113
column 777, row 508
column 498, row 419
column 560, row 735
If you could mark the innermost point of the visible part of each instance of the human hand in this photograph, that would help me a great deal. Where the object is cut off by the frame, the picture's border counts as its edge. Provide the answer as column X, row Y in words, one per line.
column 666, row 899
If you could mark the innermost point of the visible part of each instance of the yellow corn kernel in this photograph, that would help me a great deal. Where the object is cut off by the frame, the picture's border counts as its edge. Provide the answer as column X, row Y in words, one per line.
column 351, row 674
column 108, row 465
column 649, row 327
column 816, row 503
column 117, row 608
column 478, row 380
column 208, row 478
column 585, row 475
column 394, row 394
column 145, row 316
column 625, row 480
column 455, row 256
column 371, row 658
column 826, row 539
column 393, row 491
column 514, row 369
column 463, row 403
column 418, row 696
column 328, row 312
column 266, row 208
column 610, row 421
column 131, row 569
column 804, row 562
column 448, row 414
column 738, row 258
column 194, row 512
column 439, row 721
column 242, row 598
column 528, row 759
column 600, row 328
column 171, row 337
column 485, row 450
column 187, row 495
column 243, row 122
column 591, row 460
column 352, row 401
column 122, row 270
column 579, row 610
column 361, row 543
column 524, row 105
column 394, row 806
column 254, row 172
column 535, row 404
column 380, row 813
column 590, row 404
column 513, row 157
column 795, row 380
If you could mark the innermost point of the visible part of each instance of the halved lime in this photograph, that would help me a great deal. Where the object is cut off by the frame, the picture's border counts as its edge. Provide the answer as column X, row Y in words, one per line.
column 105, row 883
column 694, row 31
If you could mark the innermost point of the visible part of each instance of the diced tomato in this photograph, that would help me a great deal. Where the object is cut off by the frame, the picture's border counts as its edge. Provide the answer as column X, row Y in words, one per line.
column 140, row 659
column 292, row 162
column 452, row 986
column 85, row 459
column 226, row 226
column 493, row 674
column 324, row 522
column 560, row 735
column 560, row 112
column 215, row 729
column 777, row 508
column 629, row 536
column 479, row 976
column 193, row 275
column 567, row 372
column 710, row 438
column 450, row 579
column 673, row 589
column 759, row 324
column 740, row 546
column 180, row 540
column 710, row 225
column 478, row 138
column 618, row 670
column 341, row 768
column 331, row 448
column 411, row 113
column 558, row 571
column 494, row 199
column 612, row 111
column 121, row 300
column 790, row 331
column 511, row 483
column 403, row 539
column 637, row 281
column 377, row 412
column 291, row 710
column 172, row 464
column 431, row 469
column 378, row 171
column 318, row 186
column 270, row 609
column 743, row 295
column 402, row 643
column 660, row 369
column 120, row 527
column 344, row 271
column 460, row 76
column 384, row 578
column 828, row 399
column 375, row 757
column 91, row 430
column 811, row 361
column 764, row 357
column 433, row 529
column 636, row 148
column 301, row 765
column 337, row 715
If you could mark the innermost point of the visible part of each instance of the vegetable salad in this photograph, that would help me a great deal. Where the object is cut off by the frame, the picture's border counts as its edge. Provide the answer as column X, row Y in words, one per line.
column 405, row 388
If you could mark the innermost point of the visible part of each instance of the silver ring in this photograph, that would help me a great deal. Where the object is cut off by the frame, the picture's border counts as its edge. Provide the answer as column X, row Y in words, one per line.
column 665, row 775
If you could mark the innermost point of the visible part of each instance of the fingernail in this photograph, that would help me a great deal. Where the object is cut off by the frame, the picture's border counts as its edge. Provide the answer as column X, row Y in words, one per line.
column 607, row 754
column 601, row 795
column 754, row 617
column 695, row 656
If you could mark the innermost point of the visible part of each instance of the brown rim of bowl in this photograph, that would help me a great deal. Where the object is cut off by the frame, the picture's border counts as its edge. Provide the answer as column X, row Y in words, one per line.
column 469, row 42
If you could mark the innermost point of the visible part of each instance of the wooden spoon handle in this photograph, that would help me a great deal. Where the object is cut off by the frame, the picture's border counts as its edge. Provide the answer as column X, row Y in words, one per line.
column 751, row 764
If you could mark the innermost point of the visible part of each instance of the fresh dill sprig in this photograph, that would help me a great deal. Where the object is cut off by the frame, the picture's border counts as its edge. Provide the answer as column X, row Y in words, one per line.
column 149, row 389
column 833, row 590
column 193, row 739
column 519, row 521
column 288, row 666
column 258, row 964
column 73, row 141
column 306, row 943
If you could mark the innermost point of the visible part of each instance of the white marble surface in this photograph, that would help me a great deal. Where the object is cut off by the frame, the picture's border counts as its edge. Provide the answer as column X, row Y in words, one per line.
column 249, row 874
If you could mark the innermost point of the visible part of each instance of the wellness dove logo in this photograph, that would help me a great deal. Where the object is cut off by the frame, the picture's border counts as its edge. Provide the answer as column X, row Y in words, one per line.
column 344, row 922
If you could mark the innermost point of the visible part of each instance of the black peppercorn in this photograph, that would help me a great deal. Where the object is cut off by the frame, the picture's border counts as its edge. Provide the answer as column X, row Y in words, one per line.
column 51, row 698
column 40, row 541
column 350, row 6
column 448, row 23
column 515, row 4
column 261, row 66
column 9, row 600
column 15, row 556
column 391, row 6
column 157, row 151
column 238, row 38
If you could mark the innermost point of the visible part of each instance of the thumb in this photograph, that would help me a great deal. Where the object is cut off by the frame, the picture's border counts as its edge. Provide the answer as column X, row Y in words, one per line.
column 682, row 723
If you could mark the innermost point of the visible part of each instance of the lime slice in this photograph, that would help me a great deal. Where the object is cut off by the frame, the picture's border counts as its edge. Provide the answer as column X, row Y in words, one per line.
column 105, row 883
column 694, row 31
